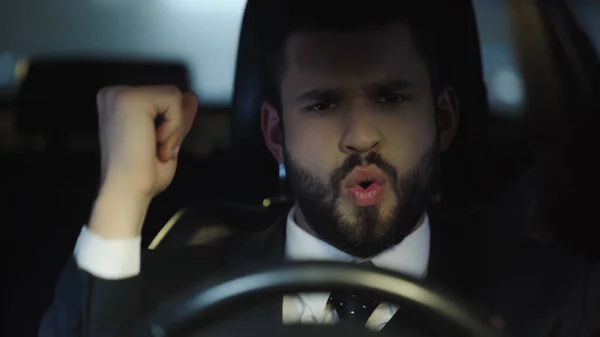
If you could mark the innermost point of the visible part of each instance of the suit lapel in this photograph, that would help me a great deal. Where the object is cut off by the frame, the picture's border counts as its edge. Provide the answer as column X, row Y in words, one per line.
column 260, row 250
column 459, row 255
column 449, row 261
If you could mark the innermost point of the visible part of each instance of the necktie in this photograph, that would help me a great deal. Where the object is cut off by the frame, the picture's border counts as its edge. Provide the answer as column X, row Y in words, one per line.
column 353, row 308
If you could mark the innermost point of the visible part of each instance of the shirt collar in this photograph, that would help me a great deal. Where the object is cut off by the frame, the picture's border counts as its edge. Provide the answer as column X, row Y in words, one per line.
column 410, row 257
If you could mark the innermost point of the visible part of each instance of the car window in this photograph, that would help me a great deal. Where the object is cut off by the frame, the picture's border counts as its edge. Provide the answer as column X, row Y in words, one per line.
column 203, row 34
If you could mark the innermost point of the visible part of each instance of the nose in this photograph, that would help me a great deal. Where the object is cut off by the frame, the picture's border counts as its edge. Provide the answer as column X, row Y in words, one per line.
column 361, row 134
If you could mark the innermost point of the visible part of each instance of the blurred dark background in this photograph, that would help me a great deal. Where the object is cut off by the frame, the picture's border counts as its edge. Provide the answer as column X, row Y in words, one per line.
column 526, row 72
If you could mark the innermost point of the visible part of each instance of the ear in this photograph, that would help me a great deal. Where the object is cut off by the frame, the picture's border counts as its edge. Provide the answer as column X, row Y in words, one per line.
column 447, row 116
column 272, row 130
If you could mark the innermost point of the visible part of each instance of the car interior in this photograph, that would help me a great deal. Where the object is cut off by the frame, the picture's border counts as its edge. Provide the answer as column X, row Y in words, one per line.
column 527, row 74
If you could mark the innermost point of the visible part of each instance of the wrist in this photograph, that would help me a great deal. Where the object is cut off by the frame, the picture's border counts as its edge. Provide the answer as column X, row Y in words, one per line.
column 118, row 213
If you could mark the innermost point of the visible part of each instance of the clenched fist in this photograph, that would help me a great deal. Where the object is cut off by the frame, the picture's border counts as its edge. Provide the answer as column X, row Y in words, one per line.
column 141, row 130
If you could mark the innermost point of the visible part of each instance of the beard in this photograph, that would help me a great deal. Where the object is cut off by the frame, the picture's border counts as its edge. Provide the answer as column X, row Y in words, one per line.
column 366, row 232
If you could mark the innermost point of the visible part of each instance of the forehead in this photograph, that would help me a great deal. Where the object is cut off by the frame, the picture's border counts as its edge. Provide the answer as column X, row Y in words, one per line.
column 379, row 52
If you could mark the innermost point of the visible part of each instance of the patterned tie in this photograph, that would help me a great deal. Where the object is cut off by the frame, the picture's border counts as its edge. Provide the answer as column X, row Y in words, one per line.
column 353, row 308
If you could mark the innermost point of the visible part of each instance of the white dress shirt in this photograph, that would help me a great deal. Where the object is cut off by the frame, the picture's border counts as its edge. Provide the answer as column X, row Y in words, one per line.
column 409, row 257
column 120, row 259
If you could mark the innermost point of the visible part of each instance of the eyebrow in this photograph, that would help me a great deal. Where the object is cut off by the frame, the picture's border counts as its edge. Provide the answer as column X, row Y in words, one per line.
column 372, row 89
column 387, row 85
column 314, row 95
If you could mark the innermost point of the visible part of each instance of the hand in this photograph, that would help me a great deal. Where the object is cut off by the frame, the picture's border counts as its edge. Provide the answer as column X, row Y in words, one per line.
column 141, row 130
column 136, row 154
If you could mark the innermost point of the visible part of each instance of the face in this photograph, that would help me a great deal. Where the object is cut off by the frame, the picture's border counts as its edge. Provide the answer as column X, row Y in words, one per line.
column 360, row 136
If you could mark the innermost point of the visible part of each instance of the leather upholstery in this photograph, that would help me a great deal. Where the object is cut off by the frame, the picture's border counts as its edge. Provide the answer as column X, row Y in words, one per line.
column 466, row 184
column 249, row 92
column 463, row 69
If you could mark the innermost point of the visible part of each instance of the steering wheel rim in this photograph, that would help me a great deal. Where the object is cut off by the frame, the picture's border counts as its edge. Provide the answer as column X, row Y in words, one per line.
column 189, row 312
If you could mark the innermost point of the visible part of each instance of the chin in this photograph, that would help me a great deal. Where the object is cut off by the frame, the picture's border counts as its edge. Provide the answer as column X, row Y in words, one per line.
column 366, row 228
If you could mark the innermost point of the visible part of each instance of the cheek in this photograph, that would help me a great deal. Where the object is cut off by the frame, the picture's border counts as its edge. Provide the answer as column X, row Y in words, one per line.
column 407, row 140
column 314, row 146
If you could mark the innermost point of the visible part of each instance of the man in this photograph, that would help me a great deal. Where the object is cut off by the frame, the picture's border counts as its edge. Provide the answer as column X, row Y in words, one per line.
column 359, row 117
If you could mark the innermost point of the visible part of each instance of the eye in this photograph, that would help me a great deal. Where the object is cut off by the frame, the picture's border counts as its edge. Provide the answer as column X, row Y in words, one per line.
column 392, row 98
column 321, row 106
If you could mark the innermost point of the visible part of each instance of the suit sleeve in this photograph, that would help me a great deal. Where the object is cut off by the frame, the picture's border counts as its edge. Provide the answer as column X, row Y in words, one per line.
column 99, row 291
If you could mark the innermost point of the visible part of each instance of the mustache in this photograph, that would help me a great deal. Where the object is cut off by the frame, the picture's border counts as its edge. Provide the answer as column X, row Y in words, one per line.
column 355, row 160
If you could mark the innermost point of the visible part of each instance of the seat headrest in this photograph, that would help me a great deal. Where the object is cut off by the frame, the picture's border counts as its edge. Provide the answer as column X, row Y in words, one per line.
column 249, row 92
column 251, row 75
column 460, row 61
column 60, row 95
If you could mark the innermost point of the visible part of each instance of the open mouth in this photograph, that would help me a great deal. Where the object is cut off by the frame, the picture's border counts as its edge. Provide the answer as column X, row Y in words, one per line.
column 365, row 185
column 364, row 177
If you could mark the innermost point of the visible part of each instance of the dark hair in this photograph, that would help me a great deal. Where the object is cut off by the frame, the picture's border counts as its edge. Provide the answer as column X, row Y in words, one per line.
column 291, row 16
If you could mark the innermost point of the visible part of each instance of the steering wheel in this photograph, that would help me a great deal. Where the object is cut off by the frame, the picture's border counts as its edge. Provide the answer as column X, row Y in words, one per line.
column 199, row 308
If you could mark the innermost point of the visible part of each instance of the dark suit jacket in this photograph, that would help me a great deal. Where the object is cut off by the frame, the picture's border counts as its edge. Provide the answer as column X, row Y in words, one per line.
column 538, row 290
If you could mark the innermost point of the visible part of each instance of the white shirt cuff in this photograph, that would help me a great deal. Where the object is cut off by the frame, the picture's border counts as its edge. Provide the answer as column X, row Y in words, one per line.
column 108, row 259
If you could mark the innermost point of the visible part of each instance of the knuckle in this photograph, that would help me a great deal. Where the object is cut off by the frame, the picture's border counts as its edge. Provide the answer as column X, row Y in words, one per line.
column 108, row 94
column 101, row 95
column 123, row 98
column 173, row 91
